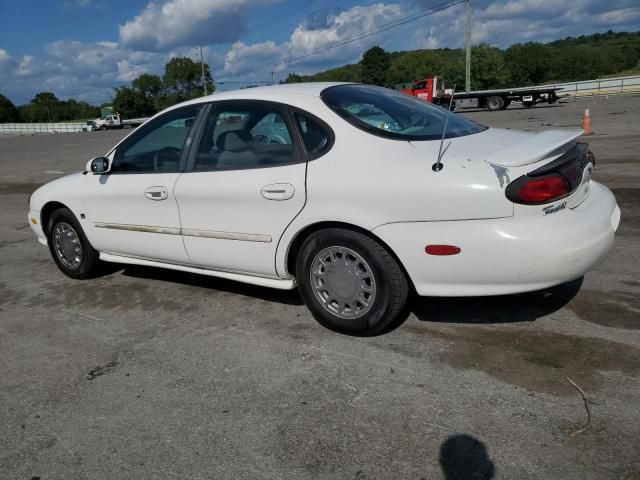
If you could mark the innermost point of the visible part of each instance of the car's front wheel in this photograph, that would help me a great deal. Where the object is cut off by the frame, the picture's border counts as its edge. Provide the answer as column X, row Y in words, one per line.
column 351, row 283
column 69, row 246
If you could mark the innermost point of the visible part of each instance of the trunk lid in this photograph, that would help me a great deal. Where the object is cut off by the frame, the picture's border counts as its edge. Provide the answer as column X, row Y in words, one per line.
column 545, row 145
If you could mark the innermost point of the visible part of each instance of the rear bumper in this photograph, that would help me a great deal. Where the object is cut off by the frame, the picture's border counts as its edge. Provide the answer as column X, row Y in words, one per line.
column 509, row 255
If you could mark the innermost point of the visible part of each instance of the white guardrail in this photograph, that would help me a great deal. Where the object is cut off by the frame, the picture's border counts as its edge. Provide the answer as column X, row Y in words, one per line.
column 603, row 86
column 43, row 127
column 60, row 127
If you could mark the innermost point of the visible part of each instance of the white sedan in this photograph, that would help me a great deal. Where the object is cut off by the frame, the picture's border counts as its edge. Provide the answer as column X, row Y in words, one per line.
column 357, row 195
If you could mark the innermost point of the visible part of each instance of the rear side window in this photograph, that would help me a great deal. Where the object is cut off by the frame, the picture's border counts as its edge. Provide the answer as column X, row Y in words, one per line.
column 316, row 137
column 244, row 135
column 391, row 114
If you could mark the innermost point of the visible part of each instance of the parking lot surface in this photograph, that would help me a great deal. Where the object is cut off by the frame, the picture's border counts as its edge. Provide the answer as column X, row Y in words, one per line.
column 145, row 373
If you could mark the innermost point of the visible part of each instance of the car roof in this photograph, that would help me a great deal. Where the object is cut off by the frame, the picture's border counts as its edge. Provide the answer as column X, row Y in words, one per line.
column 277, row 93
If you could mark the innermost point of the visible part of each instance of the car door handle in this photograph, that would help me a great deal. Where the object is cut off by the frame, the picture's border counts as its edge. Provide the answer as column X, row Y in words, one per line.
column 156, row 193
column 278, row 191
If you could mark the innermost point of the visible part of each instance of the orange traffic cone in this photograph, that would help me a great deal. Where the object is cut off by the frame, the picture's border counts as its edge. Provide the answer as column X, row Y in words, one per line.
column 586, row 122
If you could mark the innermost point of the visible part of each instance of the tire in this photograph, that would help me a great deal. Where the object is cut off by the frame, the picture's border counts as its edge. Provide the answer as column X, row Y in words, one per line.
column 372, row 301
column 66, row 238
column 495, row 103
column 527, row 104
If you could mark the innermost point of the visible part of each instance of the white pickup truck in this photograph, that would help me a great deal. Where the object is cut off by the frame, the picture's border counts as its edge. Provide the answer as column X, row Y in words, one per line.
column 110, row 121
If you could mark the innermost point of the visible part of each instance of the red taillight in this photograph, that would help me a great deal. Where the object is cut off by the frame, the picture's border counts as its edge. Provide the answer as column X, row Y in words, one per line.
column 544, row 189
column 442, row 249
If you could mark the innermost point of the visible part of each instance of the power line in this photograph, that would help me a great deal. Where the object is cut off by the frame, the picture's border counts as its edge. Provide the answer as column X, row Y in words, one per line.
column 244, row 82
column 397, row 23
column 266, row 32
column 282, row 16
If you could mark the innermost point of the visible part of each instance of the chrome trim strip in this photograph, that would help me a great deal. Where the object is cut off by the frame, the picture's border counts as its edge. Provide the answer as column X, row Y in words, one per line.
column 138, row 228
column 243, row 237
column 187, row 232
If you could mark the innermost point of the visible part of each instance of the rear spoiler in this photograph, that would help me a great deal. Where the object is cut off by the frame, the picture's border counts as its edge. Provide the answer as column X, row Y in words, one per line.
column 534, row 148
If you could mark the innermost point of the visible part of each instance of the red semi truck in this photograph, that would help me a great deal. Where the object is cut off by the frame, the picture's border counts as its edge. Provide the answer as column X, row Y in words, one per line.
column 432, row 90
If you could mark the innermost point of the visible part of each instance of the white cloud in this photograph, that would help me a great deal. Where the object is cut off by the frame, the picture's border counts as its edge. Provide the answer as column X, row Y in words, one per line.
column 7, row 63
column 504, row 23
column 128, row 71
column 83, row 3
column 175, row 23
column 305, row 39
column 85, row 71
column 167, row 28
column 26, row 66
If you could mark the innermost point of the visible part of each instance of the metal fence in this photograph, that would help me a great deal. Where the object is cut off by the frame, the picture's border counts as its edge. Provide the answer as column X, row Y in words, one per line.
column 42, row 127
column 603, row 86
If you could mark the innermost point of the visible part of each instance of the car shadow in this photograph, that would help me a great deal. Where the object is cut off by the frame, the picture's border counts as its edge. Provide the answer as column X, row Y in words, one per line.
column 523, row 307
column 288, row 297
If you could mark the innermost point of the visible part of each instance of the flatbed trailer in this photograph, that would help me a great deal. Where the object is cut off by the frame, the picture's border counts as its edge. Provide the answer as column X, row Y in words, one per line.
column 432, row 90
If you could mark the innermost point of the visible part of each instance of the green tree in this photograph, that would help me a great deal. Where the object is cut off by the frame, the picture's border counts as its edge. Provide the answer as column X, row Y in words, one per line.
column 528, row 63
column 42, row 106
column 375, row 64
column 488, row 69
column 414, row 66
column 293, row 78
column 45, row 98
column 346, row 73
column 578, row 62
column 125, row 103
column 8, row 111
column 183, row 79
column 148, row 90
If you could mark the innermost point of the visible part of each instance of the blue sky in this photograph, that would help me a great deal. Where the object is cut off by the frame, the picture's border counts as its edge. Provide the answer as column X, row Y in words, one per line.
column 84, row 48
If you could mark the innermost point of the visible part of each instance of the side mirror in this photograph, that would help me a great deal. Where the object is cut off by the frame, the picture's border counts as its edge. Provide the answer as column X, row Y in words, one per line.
column 99, row 165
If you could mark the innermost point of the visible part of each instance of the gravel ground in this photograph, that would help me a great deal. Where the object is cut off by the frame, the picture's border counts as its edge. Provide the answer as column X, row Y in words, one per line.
column 146, row 373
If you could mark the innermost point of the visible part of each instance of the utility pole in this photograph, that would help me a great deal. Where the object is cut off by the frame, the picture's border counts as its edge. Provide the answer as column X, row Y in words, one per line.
column 467, row 83
column 273, row 78
column 204, row 84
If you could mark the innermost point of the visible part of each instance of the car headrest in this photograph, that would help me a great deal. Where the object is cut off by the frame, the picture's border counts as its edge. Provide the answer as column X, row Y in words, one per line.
column 235, row 141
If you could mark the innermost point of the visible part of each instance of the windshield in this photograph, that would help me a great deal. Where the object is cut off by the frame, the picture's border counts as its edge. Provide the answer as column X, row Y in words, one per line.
column 392, row 114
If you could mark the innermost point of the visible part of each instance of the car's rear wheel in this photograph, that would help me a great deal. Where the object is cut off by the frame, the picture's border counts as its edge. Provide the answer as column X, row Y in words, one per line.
column 351, row 283
column 69, row 246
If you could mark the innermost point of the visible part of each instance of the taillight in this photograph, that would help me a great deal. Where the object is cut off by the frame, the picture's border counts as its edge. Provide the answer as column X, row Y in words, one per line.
column 536, row 190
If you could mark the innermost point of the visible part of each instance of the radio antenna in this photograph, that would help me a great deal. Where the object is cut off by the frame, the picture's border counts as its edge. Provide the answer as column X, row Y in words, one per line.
column 436, row 167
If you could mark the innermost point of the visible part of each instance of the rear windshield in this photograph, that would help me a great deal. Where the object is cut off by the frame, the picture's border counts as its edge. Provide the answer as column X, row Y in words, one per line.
column 392, row 114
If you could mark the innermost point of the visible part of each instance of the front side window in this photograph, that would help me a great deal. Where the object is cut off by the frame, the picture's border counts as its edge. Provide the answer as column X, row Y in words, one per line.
column 391, row 114
column 244, row 135
column 158, row 146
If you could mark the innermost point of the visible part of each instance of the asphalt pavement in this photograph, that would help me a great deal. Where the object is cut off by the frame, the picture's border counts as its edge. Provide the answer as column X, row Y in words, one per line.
column 145, row 373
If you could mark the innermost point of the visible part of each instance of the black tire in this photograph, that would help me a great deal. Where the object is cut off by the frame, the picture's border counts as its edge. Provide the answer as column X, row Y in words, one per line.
column 495, row 103
column 527, row 104
column 89, row 260
column 387, row 308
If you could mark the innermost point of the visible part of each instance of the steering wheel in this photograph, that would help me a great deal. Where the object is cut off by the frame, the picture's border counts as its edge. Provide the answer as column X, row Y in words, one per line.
column 164, row 155
column 259, row 138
